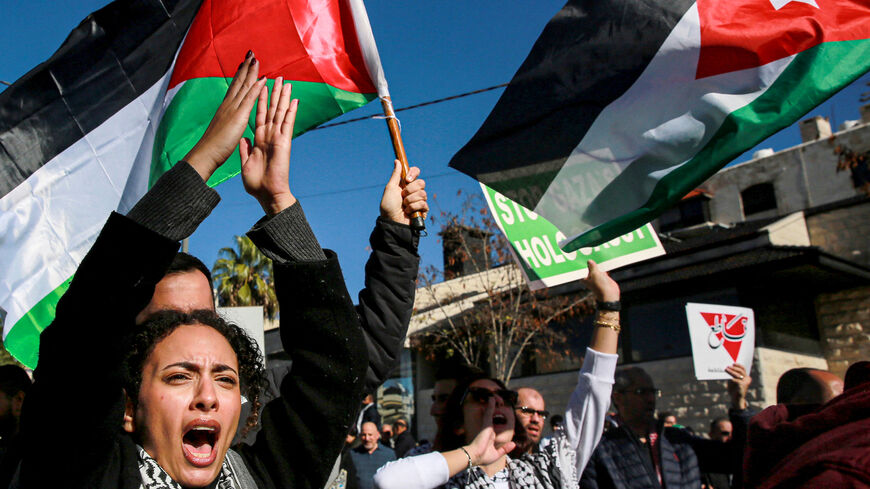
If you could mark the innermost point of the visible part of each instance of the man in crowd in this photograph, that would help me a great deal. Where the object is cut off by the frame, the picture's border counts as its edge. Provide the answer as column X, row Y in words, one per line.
column 557, row 424
column 531, row 414
column 387, row 434
column 445, row 381
column 817, row 441
column 403, row 441
column 369, row 412
column 720, row 430
column 807, row 386
column 370, row 455
column 667, row 419
column 638, row 455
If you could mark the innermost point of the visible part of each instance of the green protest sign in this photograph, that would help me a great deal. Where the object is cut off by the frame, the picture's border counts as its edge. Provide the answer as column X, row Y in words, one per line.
column 534, row 242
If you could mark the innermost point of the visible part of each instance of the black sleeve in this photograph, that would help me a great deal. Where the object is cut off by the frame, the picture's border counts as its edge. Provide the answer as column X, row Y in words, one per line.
column 386, row 302
column 78, row 382
column 724, row 457
column 404, row 443
column 304, row 429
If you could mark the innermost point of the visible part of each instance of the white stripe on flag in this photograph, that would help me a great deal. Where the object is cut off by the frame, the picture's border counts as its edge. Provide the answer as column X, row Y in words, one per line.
column 369, row 49
column 53, row 218
column 661, row 122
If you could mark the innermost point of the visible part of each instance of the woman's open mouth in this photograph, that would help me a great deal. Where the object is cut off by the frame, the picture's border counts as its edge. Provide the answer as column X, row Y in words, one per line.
column 499, row 419
column 199, row 442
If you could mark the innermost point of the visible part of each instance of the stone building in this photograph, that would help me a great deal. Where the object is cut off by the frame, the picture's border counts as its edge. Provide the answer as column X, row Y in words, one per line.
column 784, row 233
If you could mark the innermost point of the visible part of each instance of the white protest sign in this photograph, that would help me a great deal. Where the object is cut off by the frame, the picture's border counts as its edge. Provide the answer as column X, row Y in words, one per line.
column 534, row 240
column 721, row 336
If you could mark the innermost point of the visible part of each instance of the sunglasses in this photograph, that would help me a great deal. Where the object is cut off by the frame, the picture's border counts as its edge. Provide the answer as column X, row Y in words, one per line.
column 482, row 395
column 540, row 412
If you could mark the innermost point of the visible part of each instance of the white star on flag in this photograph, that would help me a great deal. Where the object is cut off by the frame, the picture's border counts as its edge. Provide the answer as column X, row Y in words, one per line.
column 778, row 4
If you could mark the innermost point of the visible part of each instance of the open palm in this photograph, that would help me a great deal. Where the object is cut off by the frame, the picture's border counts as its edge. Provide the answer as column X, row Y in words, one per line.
column 266, row 162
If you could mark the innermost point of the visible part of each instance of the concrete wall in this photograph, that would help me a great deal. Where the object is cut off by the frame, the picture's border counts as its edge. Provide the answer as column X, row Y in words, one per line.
column 843, row 232
column 803, row 176
column 844, row 321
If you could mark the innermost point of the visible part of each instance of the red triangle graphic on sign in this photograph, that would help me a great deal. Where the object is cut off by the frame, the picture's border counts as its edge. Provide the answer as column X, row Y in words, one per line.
column 728, row 330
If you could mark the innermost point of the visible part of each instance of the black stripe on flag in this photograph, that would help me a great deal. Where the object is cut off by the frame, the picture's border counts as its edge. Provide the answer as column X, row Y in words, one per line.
column 109, row 60
column 588, row 55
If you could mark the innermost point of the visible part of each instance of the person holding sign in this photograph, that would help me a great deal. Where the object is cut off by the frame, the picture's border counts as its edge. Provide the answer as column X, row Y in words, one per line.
column 637, row 454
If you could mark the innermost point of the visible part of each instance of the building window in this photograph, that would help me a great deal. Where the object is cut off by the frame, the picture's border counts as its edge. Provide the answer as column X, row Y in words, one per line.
column 690, row 211
column 758, row 198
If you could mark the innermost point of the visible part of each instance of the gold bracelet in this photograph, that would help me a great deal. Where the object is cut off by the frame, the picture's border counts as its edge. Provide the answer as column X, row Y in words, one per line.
column 608, row 323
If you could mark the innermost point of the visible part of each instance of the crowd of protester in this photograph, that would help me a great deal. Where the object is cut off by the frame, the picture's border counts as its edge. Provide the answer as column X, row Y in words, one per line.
column 167, row 394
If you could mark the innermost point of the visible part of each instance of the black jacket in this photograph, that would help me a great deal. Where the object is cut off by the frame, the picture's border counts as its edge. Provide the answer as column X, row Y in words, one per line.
column 404, row 442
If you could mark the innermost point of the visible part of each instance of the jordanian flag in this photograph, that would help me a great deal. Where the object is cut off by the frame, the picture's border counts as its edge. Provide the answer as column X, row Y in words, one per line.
column 624, row 106
column 125, row 97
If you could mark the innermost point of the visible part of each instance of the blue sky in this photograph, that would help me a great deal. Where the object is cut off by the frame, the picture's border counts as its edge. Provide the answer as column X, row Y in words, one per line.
column 429, row 50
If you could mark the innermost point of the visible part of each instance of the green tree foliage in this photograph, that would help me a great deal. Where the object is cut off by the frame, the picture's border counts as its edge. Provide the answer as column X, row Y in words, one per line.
column 243, row 277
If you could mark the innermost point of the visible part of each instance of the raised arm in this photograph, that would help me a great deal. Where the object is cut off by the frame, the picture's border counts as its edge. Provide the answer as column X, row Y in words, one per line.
column 303, row 430
column 386, row 302
column 587, row 407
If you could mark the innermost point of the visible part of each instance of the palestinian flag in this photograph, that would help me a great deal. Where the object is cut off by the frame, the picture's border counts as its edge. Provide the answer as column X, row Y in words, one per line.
column 126, row 96
column 624, row 106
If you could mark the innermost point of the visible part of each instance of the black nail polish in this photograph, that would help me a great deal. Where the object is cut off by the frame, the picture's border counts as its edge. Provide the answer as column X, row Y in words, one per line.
column 254, row 60
column 240, row 66
column 250, row 54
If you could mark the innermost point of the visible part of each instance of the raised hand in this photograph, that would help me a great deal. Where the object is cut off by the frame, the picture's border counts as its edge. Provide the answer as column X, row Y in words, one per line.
column 228, row 123
column 266, row 162
column 738, row 385
column 599, row 282
column 399, row 203
column 482, row 448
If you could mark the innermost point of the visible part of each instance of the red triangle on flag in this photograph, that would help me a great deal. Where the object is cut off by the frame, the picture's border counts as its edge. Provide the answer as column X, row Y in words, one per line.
column 741, row 34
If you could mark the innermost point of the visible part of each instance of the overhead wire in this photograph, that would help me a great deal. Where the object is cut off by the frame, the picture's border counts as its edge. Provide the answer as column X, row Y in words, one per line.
column 410, row 107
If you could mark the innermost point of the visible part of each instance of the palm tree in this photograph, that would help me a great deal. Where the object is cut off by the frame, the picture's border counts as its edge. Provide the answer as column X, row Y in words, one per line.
column 243, row 277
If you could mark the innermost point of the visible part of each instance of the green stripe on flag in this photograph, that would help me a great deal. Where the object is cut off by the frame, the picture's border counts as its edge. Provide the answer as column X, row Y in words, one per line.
column 193, row 106
column 23, row 339
column 812, row 77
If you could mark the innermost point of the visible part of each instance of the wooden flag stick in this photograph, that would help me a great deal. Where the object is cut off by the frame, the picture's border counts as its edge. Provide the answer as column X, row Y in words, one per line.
column 417, row 222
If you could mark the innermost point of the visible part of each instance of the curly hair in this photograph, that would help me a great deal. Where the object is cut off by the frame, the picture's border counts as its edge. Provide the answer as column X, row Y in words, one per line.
column 454, row 419
column 161, row 324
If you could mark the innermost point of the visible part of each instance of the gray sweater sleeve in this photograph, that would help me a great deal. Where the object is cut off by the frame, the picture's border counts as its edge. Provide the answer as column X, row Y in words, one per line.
column 287, row 237
column 176, row 204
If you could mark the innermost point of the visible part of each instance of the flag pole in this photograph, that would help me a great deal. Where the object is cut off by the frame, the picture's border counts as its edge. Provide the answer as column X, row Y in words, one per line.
column 417, row 222
column 376, row 72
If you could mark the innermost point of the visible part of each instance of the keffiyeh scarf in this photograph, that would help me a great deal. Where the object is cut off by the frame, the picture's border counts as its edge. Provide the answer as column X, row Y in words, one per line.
column 154, row 477
column 551, row 468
